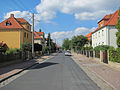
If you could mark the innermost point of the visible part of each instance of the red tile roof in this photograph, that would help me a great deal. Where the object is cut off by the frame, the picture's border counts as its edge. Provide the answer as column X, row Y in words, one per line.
column 112, row 19
column 36, row 35
column 106, row 17
column 57, row 45
column 21, row 20
column 89, row 35
column 13, row 23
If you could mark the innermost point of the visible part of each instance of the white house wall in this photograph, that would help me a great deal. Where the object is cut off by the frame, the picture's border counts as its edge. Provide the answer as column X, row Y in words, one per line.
column 99, row 37
column 105, row 36
column 112, row 36
column 37, row 41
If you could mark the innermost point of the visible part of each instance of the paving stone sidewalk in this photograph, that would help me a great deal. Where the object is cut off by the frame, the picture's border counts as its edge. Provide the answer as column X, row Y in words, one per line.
column 108, row 74
column 10, row 70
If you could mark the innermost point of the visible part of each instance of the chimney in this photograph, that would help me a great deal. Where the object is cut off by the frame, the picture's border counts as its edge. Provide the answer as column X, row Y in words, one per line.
column 40, row 30
column 12, row 15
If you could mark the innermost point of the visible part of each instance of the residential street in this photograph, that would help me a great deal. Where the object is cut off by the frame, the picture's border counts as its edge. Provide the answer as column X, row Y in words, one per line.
column 57, row 73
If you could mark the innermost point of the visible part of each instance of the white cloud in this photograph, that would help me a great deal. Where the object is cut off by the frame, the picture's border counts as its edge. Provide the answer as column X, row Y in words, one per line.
column 91, row 16
column 60, row 36
column 18, row 14
column 81, row 9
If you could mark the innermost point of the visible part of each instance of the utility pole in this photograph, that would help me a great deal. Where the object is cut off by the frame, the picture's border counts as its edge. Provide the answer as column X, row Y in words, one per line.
column 32, row 35
column 49, row 45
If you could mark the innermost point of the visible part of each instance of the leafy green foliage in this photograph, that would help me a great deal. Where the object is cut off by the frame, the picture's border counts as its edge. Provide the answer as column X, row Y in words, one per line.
column 66, row 44
column 101, row 47
column 78, row 42
column 48, row 40
column 53, row 46
column 90, row 48
column 114, row 55
column 26, row 46
column 118, row 33
column 12, row 51
column 45, row 49
column 118, row 22
column 118, row 38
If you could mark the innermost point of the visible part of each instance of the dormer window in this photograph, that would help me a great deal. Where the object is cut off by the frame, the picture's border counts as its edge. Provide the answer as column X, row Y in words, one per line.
column 28, row 27
column 8, row 23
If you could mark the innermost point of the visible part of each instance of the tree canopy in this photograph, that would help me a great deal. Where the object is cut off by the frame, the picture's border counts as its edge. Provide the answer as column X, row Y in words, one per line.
column 118, row 33
column 78, row 41
column 66, row 44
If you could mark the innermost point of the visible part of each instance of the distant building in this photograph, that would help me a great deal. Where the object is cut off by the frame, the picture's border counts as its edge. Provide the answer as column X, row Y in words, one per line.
column 39, row 38
column 89, row 36
column 15, row 31
column 105, row 34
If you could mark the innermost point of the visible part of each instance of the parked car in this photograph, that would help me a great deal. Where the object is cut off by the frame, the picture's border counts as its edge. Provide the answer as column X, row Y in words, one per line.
column 60, row 51
column 67, row 53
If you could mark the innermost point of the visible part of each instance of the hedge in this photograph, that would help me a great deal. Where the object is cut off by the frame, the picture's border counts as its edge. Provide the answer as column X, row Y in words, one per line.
column 114, row 55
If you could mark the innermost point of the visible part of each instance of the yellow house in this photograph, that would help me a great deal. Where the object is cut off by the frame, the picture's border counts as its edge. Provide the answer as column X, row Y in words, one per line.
column 15, row 31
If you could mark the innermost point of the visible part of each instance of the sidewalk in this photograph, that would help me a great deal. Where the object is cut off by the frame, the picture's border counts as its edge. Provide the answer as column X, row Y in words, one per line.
column 108, row 74
column 8, row 71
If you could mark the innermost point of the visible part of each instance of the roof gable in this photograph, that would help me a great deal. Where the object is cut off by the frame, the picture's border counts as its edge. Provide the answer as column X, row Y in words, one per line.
column 36, row 35
column 113, row 19
column 89, row 35
column 21, row 20
column 12, row 21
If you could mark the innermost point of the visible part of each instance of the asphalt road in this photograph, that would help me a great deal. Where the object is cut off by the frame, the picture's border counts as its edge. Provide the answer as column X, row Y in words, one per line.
column 57, row 73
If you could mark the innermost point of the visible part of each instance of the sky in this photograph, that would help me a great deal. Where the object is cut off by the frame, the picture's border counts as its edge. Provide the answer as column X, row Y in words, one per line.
column 61, row 18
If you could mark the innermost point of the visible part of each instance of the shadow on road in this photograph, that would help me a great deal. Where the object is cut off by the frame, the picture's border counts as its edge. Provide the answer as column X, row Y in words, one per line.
column 45, row 64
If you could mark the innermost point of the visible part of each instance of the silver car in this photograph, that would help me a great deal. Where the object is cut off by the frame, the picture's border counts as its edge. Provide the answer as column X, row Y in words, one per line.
column 67, row 53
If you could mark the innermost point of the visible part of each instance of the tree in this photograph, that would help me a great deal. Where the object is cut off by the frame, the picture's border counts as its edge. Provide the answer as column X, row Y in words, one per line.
column 118, row 33
column 26, row 46
column 78, row 42
column 50, row 44
column 66, row 44
column 48, row 40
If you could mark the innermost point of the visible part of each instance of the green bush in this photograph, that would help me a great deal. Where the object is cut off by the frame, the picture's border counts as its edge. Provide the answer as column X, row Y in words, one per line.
column 26, row 46
column 12, row 51
column 45, row 49
column 90, row 48
column 114, row 55
column 101, row 47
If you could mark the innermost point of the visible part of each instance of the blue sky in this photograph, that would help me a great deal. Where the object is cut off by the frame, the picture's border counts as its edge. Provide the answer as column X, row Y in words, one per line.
column 62, row 18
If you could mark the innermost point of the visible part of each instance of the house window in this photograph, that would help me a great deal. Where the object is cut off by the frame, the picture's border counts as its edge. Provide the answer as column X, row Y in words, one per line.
column 102, row 32
column 8, row 23
column 27, row 35
column 24, row 34
column 28, row 27
column 99, row 34
column 102, row 43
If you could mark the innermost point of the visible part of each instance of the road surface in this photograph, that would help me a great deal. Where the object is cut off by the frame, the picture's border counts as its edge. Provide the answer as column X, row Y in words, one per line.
column 57, row 73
